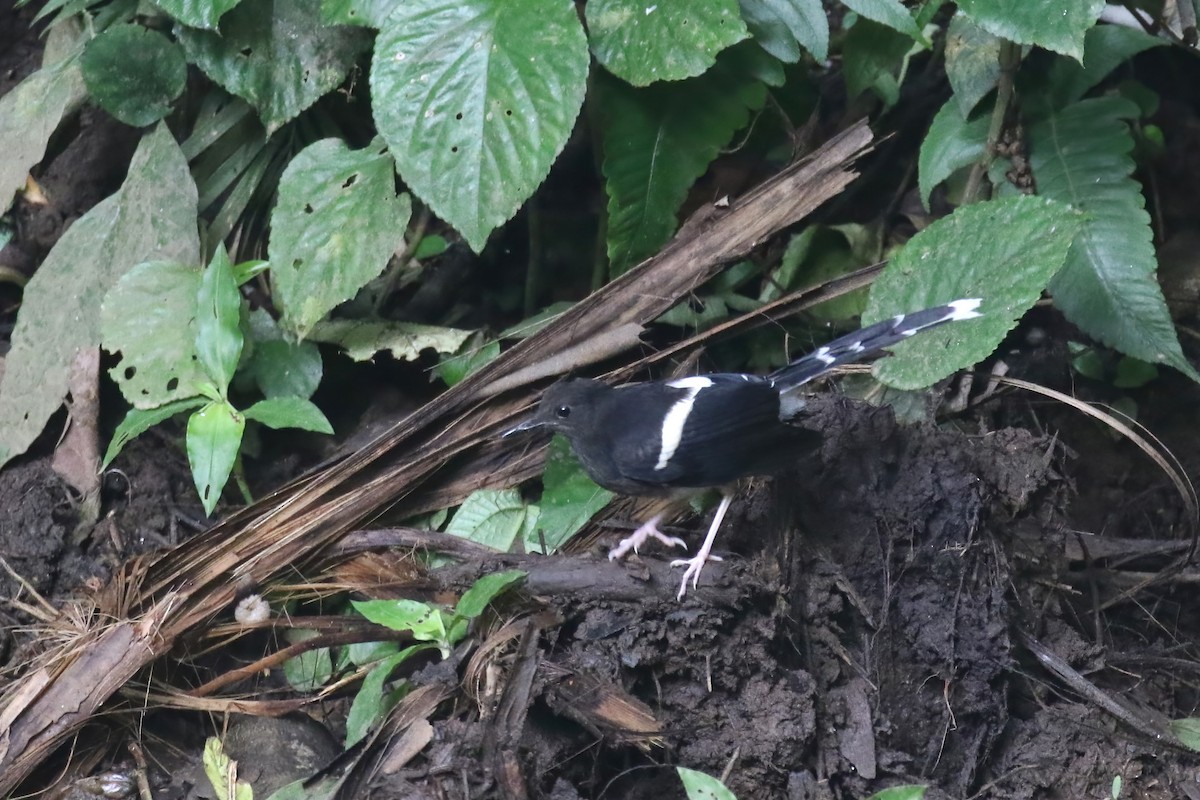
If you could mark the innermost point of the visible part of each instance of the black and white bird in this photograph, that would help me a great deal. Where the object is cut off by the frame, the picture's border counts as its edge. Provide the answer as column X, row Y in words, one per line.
column 676, row 437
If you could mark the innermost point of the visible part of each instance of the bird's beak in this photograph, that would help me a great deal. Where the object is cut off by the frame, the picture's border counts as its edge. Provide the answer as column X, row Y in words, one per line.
column 527, row 425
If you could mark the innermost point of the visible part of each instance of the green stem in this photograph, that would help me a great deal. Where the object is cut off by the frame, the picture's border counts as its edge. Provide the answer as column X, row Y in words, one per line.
column 1010, row 59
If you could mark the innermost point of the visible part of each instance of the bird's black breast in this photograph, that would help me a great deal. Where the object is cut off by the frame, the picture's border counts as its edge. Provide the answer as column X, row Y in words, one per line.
column 691, row 433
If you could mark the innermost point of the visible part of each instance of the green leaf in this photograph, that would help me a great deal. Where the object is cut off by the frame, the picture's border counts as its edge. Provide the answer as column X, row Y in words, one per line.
column 485, row 590
column 964, row 255
column 873, row 56
column 280, row 367
column 471, row 356
column 1133, row 373
column 951, row 144
column 370, row 704
column 363, row 339
column 1107, row 287
column 668, row 40
column 31, row 111
column 569, row 499
column 700, row 786
column 218, row 768
column 911, row 792
column 369, row 13
column 782, row 27
column 476, row 98
column 972, row 62
column 214, row 434
column 494, row 518
column 138, row 421
column 1057, row 25
column 310, row 670
column 149, row 318
column 1188, row 731
column 278, row 56
column 218, row 321
column 134, row 73
column 289, row 412
column 890, row 13
column 197, row 13
column 657, row 142
column 152, row 216
column 1105, row 48
column 426, row 623
column 337, row 222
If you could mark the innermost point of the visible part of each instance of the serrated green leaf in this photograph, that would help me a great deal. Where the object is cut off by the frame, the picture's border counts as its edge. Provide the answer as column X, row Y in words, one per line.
column 952, row 143
column 700, row 786
column 657, row 142
column 569, row 499
column 197, row 13
column 214, row 434
column 134, row 73
column 151, row 217
column 138, row 421
column 1107, row 287
column 782, row 27
column 289, row 412
column 873, row 56
column 1105, row 47
column 972, row 62
column 220, row 768
column 404, row 340
column 426, row 623
column 337, row 222
column 149, row 318
column 370, row 704
column 1057, row 25
column 280, row 367
column 911, row 792
column 476, row 99
column 278, row 56
column 32, row 110
column 494, row 518
column 218, row 321
column 1003, row 251
column 890, row 13
column 664, row 41
column 484, row 591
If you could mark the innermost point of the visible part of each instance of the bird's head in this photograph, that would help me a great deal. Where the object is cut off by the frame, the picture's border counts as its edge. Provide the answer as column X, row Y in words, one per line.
column 565, row 406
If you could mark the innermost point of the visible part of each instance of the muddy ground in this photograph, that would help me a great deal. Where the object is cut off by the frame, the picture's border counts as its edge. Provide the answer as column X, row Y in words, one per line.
column 984, row 607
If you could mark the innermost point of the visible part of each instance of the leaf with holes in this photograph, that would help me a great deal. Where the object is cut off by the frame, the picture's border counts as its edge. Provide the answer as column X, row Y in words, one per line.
column 151, row 217
column 476, row 99
column 337, row 222
column 701, row 786
column 667, row 40
column 149, row 319
column 1081, row 156
column 277, row 56
column 1003, row 251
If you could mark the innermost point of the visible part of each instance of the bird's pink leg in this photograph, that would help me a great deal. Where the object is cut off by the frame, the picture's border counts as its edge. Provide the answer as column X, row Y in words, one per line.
column 648, row 530
column 697, row 562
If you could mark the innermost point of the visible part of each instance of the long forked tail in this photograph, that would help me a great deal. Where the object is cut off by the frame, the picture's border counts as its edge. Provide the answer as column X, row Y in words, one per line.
column 871, row 340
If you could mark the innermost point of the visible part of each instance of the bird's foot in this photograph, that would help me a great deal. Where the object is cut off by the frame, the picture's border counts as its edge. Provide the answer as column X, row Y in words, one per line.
column 648, row 530
column 694, row 565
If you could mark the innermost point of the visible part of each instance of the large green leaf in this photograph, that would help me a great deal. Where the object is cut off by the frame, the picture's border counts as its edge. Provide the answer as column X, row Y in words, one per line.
column 569, row 499
column 149, row 319
column 278, row 56
column 214, row 434
column 1003, row 251
column 494, row 518
column 1108, row 287
column 32, row 110
column 197, row 13
column 134, row 73
column 952, row 143
column 972, row 62
column 218, row 321
column 337, row 222
column 289, row 412
column 890, row 13
column 667, row 40
column 152, row 216
column 657, row 142
column 476, row 99
column 782, row 27
column 1057, row 25
column 873, row 55
column 1105, row 48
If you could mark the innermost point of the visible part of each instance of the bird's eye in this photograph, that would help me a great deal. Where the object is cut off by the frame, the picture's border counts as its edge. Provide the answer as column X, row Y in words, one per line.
column 563, row 412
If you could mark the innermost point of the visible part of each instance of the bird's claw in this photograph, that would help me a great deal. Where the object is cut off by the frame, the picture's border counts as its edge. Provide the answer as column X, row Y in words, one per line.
column 694, row 565
column 648, row 530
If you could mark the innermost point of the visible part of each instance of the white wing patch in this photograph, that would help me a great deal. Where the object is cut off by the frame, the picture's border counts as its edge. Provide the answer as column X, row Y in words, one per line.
column 672, row 429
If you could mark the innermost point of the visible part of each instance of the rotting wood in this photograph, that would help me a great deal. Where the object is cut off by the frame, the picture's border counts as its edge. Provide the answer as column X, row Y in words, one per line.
column 170, row 594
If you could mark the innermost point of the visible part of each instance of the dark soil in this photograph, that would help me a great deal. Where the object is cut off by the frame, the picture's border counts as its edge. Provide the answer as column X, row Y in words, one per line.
column 878, row 619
